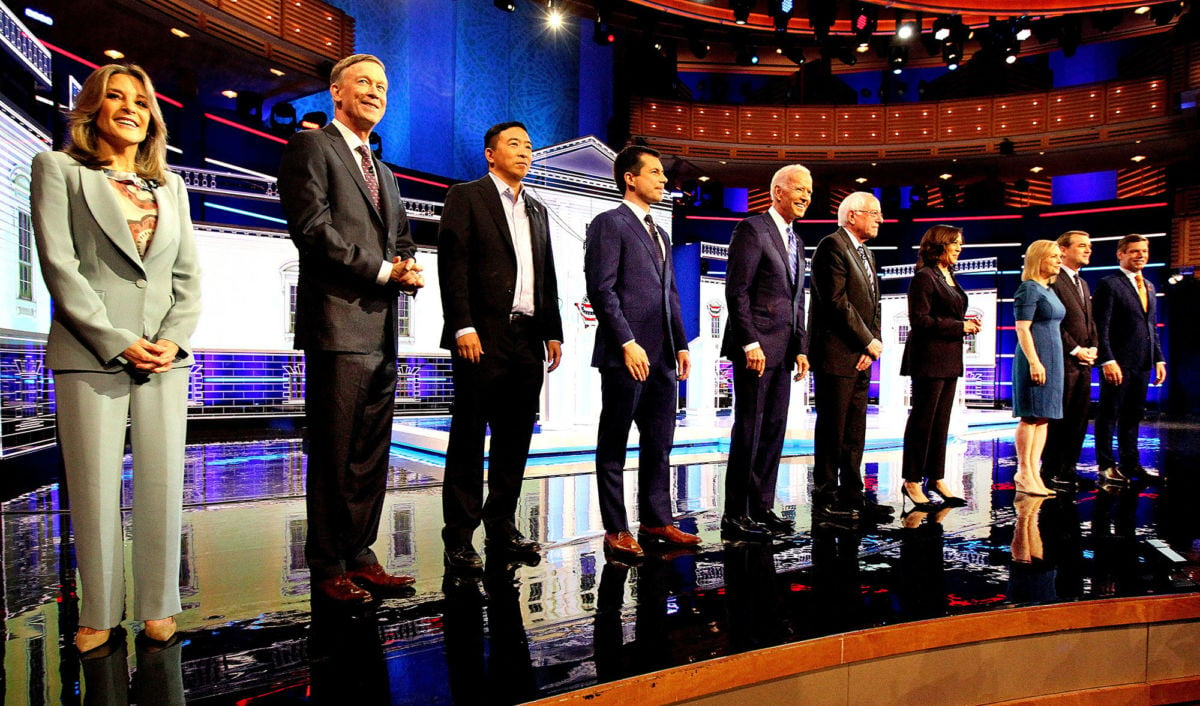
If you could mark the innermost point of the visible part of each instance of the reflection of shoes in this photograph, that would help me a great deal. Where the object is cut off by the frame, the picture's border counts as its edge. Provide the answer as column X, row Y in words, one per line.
column 668, row 552
column 514, row 543
column 924, row 505
column 1029, row 490
column 341, row 589
column 835, row 511
column 743, row 529
column 622, row 543
column 775, row 524
column 875, row 512
column 463, row 556
column 669, row 534
column 88, row 639
column 465, row 588
column 374, row 576
column 1112, row 475
column 161, row 630
column 1065, row 484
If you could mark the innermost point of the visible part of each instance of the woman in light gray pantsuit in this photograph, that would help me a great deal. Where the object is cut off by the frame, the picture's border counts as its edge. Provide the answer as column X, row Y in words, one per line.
column 114, row 238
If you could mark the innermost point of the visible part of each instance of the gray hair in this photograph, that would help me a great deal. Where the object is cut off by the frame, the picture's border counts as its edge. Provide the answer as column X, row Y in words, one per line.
column 856, row 201
column 335, row 76
column 786, row 173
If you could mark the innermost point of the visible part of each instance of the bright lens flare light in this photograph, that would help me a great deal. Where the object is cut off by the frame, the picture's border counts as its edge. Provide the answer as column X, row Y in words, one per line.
column 554, row 19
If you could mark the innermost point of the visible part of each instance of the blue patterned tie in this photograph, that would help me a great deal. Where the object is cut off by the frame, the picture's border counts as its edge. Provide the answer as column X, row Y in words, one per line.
column 793, row 255
column 862, row 253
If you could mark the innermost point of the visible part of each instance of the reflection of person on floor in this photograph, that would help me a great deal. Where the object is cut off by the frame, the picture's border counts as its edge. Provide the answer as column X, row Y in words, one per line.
column 837, row 591
column 922, row 588
column 345, row 654
column 756, row 611
column 1030, row 577
column 663, row 638
column 1037, row 376
column 1130, row 357
column 1115, row 564
column 506, row 675
column 1062, row 543
column 115, row 242
column 157, row 680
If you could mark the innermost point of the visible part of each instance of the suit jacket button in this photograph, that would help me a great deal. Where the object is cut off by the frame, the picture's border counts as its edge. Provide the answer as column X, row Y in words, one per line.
column 141, row 284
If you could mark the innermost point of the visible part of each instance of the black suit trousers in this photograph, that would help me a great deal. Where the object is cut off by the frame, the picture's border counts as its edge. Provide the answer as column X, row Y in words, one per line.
column 927, row 428
column 756, row 443
column 1124, row 404
column 651, row 405
column 349, row 401
column 1064, row 437
column 500, row 392
column 839, row 436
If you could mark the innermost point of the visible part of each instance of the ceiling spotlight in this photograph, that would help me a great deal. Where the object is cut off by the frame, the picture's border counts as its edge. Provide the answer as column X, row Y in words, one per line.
column 1036, row 170
column 864, row 21
column 897, row 58
column 1142, row 10
column 861, row 180
column 941, row 29
column 703, row 178
column 603, row 35
column 179, row 33
column 741, row 10
column 229, row 93
column 821, row 15
column 554, row 18
column 951, row 53
column 795, row 54
column 277, row 72
column 945, row 177
column 699, row 47
column 746, row 55
column 781, row 13
column 506, row 5
column 114, row 54
column 863, row 47
column 1022, row 29
column 1163, row 13
column 906, row 30
column 1137, row 158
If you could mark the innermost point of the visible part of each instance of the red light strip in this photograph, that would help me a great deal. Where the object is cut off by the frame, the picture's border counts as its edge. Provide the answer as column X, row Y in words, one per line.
column 421, row 181
column 1013, row 217
column 93, row 66
column 1104, row 210
column 243, row 128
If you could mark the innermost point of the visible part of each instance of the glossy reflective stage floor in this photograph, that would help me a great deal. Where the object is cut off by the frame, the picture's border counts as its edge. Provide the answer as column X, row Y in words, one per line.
column 520, row 632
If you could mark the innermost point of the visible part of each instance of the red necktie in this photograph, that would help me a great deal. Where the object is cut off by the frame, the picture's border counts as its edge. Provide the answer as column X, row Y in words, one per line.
column 368, row 167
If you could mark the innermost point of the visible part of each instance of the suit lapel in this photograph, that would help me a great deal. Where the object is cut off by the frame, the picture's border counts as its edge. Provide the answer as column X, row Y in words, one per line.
column 850, row 243
column 353, row 165
column 102, row 202
column 491, row 199
column 643, row 236
column 166, row 229
column 776, row 241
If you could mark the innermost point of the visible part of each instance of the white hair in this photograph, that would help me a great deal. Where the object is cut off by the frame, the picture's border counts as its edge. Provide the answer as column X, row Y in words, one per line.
column 857, row 201
column 785, row 173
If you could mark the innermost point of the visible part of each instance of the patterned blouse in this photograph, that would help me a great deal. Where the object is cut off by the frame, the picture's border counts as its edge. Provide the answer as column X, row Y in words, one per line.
column 138, row 205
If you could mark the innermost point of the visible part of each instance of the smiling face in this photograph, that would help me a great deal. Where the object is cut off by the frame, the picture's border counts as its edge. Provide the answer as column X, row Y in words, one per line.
column 1135, row 256
column 510, row 155
column 124, row 115
column 864, row 222
column 360, row 97
column 953, row 250
column 793, row 196
column 1079, row 252
column 1052, row 263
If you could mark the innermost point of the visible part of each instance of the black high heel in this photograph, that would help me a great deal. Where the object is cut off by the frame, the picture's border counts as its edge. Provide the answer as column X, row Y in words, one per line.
column 924, row 507
column 947, row 500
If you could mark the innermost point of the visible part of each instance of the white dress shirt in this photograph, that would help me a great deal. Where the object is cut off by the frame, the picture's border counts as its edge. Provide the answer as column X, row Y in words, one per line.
column 353, row 142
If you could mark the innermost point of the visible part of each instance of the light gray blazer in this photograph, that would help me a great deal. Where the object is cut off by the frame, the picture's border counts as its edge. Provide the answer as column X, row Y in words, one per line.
column 105, row 295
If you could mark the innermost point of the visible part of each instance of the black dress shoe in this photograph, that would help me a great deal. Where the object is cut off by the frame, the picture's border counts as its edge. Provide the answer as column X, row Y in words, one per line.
column 875, row 510
column 514, row 543
column 743, row 529
column 463, row 556
column 775, row 524
column 1065, row 484
column 835, row 511
column 1112, row 475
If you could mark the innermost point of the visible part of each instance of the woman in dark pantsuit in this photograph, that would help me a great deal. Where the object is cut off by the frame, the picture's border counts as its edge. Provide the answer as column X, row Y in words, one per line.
column 115, row 242
column 933, row 356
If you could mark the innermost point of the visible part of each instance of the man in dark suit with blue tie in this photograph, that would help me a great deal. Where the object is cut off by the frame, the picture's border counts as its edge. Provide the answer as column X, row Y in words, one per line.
column 764, row 339
column 502, row 326
column 347, row 220
column 1064, row 437
column 641, row 350
column 844, row 329
column 1129, row 352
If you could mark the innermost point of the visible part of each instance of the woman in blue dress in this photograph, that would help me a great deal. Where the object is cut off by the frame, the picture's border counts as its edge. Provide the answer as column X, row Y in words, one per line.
column 1037, row 375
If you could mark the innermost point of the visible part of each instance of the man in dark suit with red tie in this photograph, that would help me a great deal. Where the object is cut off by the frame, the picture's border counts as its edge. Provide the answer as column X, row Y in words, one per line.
column 1064, row 437
column 347, row 220
column 764, row 339
column 502, row 327
column 641, row 350
column 1129, row 353
column 844, row 328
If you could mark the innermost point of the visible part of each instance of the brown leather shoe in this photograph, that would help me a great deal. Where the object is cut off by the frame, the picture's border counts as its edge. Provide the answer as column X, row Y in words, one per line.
column 622, row 543
column 668, row 535
column 374, row 576
column 341, row 589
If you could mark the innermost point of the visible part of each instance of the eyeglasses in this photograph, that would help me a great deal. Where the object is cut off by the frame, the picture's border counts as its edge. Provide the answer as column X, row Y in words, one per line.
column 873, row 214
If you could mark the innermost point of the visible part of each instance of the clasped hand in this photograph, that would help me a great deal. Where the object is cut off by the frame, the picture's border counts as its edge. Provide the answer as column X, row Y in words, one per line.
column 407, row 274
column 151, row 357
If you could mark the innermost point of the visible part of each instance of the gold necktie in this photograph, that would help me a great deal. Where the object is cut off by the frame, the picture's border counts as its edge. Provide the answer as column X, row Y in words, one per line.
column 1141, row 287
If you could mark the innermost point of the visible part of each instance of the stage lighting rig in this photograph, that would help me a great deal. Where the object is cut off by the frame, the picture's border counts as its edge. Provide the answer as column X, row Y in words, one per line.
column 505, row 5
column 741, row 10
column 821, row 15
column 898, row 58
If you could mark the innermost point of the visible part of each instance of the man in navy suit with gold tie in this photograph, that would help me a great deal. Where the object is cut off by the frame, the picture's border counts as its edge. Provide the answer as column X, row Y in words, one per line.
column 764, row 339
column 641, row 350
column 1129, row 352
column 347, row 220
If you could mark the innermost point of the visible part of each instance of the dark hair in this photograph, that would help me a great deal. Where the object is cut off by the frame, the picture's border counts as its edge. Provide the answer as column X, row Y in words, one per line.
column 1124, row 243
column 629, row 161
column 1064, row 240
column 933, row 244
column 493, row 132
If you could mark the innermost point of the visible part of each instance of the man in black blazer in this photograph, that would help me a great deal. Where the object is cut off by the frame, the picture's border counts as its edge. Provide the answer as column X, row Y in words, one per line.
column 844, row 329
column 346, row 218
column 1064, row 437
column 502, row 325
column 641, row 350
column 1129, row 351
column 764, row 339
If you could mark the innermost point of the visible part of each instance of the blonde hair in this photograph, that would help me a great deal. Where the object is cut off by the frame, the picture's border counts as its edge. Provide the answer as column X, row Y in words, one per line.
column 151, row 160
column 1037, row 253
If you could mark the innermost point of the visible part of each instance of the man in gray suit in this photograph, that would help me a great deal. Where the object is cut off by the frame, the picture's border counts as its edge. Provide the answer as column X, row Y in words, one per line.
column 346, row 218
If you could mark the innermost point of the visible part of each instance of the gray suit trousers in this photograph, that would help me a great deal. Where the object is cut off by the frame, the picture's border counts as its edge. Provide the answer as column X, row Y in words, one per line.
column 92, row 411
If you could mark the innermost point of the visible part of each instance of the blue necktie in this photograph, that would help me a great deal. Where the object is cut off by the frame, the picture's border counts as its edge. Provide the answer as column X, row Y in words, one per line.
column 793, row 255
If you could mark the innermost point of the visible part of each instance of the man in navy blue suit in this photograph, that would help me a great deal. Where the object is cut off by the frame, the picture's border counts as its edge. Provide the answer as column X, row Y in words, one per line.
column 641, row 350
column 1129, row 351
column 764, row 338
